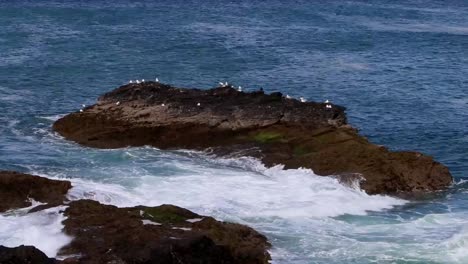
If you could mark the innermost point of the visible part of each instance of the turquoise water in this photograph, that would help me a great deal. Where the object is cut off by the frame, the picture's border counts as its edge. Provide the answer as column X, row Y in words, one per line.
column 400, row 68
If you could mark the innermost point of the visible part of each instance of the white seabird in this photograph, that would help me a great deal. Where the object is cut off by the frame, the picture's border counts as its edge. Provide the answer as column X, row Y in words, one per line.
column 130, row 81
column 163, row 105
column 303, row 100
column 118, row 102
column 157, row 80
column 226, row 84
column 326, row 101
column 81, row 110
column 221, row 84
column 83, row 105
column 137, row 81
column 142, row 80
column 288, row 97
column 328, row 106
column 198, row 104
column 239, row 89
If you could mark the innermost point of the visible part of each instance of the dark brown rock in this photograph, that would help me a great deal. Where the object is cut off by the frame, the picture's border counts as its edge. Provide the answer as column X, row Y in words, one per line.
column 23, row 255
column 286, row 131
column 107, row 234
column 16, row 190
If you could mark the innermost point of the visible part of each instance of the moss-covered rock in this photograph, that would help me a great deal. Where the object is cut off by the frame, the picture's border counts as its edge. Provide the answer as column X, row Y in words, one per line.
column 167, row 214
column 267, row 137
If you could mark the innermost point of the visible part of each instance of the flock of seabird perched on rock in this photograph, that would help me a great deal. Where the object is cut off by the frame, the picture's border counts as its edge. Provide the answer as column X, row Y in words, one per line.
column 225, row 84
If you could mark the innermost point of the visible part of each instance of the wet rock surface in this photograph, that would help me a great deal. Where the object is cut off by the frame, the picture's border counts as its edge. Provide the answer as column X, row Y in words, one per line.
column 162, row 234
column 18, row 189
column 283, row 130
column 23, row 255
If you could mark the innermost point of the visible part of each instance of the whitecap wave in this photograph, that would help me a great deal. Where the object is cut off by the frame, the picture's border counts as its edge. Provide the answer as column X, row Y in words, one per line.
column 288, row 206
column 238, row 189
column 41, row 229
column 457, row 246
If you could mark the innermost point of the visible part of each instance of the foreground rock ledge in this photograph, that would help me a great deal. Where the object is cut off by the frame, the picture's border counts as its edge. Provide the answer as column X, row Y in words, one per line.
column 17, row 190
column 162, row 234
column 24, row 255
column 108, row 234
column 271, row 127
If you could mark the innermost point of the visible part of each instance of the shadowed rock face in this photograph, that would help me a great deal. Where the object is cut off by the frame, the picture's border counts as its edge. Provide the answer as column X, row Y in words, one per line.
column 163, row 234
column 268, row 126
column 16, row 190
column 23, row 255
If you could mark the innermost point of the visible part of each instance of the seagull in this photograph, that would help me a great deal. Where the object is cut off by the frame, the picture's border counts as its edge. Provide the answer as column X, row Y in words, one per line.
column 142, row 80
column 157, row 80
column 326, row 101
column 303, row 100
column 163, row 105
column 130, row 81
column 118, row 102
column 328, row 106
column 198, row 104
column 226, row 84
column 81, row 110
column 239, row 89
column 288, row 97
column 83, row 105
column 221, row 84
column 137, row 81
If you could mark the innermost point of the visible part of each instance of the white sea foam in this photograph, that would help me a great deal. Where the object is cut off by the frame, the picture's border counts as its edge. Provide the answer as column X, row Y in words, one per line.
column 292, row 207
column 457, row 246
column 149, row 222
column 251, row 190
column 41, row 229
column 52, row 117
column 104, row 193
column 460, row 182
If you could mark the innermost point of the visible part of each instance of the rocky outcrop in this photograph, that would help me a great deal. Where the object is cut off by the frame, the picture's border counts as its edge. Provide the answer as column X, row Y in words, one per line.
column 23, row 255
column 276, row 129
column 165, row 234
column 162, row 234
column 169, row 117
column 18, row 189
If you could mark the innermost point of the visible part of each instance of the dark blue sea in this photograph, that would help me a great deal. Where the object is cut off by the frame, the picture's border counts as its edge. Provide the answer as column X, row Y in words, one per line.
column 400, row 68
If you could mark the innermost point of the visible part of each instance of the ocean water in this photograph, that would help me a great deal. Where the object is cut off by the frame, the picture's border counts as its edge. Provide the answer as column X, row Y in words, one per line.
column 400, row 68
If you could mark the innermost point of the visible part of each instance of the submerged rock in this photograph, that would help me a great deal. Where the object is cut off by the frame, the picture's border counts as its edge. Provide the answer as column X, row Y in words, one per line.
column 286, row 131
column 18, row 189
column 162, row 234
